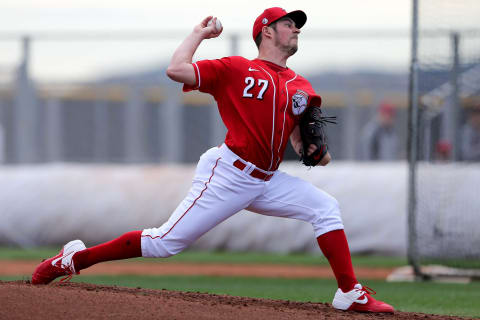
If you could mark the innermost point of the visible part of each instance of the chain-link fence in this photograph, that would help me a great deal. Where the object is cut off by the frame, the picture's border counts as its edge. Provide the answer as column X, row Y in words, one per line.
column 445, row 134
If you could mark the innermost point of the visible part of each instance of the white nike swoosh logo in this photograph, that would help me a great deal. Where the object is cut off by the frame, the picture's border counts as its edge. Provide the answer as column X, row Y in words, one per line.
column 251, row 69
column 363, row 301
column 54, row 261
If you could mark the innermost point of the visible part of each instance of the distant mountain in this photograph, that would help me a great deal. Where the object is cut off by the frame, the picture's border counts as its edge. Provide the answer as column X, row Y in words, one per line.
column 358, row 80
column 330, row 81
column 153, row 75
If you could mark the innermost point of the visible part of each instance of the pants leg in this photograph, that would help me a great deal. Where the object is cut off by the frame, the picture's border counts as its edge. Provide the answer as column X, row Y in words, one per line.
column 219, row 190
column 291, row 197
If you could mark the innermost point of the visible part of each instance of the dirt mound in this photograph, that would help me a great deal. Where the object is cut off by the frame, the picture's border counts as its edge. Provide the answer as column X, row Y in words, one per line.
column 18, row 267
column 21, row 300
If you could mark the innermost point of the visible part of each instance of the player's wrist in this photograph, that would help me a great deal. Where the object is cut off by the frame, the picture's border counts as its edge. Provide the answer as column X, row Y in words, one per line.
column 197, row 32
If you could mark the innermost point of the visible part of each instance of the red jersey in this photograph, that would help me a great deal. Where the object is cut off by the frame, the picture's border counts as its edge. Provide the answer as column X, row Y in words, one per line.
column 259, row 102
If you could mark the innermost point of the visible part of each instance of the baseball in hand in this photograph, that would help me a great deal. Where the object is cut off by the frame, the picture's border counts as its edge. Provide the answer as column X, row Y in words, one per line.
column 218, row 25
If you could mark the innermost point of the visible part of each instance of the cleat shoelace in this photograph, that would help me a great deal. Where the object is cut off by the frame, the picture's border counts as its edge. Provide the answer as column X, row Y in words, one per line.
column 68, row 270
column 66, row 278
column 366, row 290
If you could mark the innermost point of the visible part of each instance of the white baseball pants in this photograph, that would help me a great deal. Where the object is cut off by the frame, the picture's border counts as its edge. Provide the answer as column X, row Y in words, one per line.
column 220, row 190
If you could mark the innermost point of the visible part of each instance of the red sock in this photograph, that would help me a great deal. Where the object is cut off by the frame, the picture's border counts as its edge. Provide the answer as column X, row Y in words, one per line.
column 125, row 247
column 334, row 246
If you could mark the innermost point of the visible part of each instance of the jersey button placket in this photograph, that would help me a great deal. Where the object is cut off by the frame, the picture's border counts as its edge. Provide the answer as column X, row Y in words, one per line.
column 278, row 121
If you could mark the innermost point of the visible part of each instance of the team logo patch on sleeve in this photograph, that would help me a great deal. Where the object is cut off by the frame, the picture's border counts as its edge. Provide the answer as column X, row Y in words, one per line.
column 299, row 102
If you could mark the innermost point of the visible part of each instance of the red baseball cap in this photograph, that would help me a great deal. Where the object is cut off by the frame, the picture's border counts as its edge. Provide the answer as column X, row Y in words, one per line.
column 387, row 108
column 271, row 15
column 443, row 147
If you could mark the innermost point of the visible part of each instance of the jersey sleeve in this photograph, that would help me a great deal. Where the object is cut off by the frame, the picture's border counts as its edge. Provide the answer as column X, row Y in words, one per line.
column 314, row 100
column 209, row 75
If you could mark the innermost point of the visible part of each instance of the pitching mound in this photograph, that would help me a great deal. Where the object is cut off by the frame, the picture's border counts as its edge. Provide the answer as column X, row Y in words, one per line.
column 18, row 267
column 21, row 300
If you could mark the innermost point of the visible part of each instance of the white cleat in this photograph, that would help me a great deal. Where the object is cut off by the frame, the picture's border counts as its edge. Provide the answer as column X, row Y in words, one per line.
column 60, row 265
column 359, row 299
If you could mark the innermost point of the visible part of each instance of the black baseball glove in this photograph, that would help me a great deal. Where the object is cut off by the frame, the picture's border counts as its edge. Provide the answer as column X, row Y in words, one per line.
column 312, row 130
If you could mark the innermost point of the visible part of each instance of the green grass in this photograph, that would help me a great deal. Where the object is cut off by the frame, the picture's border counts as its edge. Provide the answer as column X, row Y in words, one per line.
column 222, row 257
column 426, row 297
column 454, row 263
column 435, row 298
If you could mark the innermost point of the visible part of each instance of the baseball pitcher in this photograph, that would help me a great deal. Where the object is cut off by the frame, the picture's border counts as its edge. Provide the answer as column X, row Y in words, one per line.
column 263, row 104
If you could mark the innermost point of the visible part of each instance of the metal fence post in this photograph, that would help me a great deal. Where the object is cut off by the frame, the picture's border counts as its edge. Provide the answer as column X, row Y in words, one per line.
column 412, row 253
column 3, row 145
column 171, row 125
column 101, row 126
column 134, row 125
column 54, row 132
column 350, row 131
column 25, row 111
column 218, row 128
column 454, row 106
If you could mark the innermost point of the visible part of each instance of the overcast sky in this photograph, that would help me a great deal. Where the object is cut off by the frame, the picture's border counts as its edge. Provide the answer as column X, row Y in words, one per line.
column 70, row 60
column 144, row 14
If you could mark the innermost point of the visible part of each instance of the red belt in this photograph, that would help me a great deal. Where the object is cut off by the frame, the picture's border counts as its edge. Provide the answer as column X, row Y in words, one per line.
column 255, row 173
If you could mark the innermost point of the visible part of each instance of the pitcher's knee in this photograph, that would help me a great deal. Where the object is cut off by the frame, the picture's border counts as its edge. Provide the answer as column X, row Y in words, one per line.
column 158, row 248
column 327, row 225
column 326, row 209
column 328, row 219
column 154, row 245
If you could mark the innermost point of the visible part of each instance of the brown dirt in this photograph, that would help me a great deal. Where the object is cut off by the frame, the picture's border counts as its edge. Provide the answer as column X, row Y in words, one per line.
column 11, row 268
column 21, row 300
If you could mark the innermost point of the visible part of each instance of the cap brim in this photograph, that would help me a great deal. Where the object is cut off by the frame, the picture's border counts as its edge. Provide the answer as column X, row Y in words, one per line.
column 298, row 16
